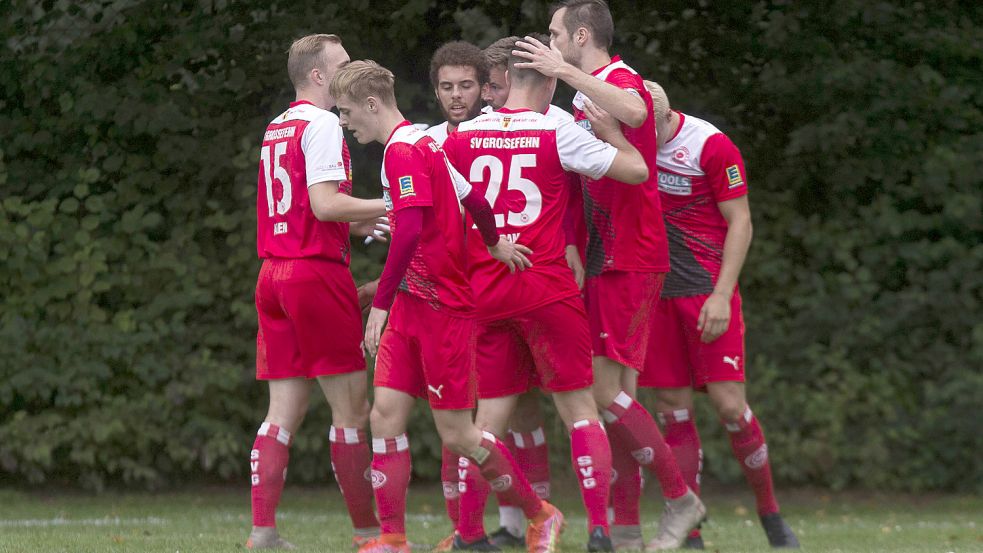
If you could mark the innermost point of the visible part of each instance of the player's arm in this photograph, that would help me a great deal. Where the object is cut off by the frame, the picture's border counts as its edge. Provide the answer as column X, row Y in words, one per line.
column 330, row 204
column 571, row 214
column 625, row 106
column 583, row 153
column 722, row 163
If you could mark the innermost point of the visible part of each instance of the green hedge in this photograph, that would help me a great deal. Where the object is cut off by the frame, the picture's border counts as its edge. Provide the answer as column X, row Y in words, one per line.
column 127, row 188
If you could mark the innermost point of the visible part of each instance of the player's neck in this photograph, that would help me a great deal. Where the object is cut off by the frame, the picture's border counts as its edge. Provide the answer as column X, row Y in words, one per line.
column 307, row 95
column 594, row 59
column 526, row 99
column 389, row 119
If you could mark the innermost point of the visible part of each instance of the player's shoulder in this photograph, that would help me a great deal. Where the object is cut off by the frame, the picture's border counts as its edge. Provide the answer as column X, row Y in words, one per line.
column 619, row 71
column 559, row 114
column 307, row 113
column 438, row 132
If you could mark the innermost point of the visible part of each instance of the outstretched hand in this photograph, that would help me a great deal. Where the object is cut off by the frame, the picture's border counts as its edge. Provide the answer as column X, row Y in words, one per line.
column 604, row 125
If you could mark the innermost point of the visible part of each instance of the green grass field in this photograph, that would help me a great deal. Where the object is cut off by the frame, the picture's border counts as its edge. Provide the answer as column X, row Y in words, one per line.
column 315, row 520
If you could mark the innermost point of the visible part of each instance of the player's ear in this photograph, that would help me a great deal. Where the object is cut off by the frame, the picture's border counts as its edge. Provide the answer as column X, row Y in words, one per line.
column 508, row 79
column 372, row 104
column 582, row 36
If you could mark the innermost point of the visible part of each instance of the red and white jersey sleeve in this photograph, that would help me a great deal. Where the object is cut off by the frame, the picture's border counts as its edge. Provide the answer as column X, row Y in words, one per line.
column 581, row 152
column 624, row 223
column 415, row 173
column 301, row 147
column 698, row 168
column 513, row 157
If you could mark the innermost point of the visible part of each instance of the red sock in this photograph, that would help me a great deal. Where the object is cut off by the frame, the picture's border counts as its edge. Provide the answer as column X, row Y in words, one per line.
column 684, row 441
column 504, row 477
column 592, row 462
column 449, row 480
column 390, row 480
column 532, row 454
column 268, row 465
column 474, row 495
column 350, row 460
column 509, row 441
column 747, row 441
column 626, row 485
column 630, row 422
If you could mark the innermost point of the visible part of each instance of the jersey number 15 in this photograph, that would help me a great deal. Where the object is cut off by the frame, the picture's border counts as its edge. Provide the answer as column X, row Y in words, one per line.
column 280, row 174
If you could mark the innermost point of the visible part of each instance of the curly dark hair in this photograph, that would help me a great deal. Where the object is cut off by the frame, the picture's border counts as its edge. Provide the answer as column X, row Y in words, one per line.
column 460, row 53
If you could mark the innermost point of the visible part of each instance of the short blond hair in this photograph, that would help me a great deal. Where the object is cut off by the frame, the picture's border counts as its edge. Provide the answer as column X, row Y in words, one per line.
column 306, row 54
column 660, row 101
column 360, row 79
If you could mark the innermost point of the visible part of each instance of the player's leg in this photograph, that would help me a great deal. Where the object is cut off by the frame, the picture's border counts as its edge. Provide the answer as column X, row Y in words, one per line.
column 277, row 348
column 674, row 407
column 559, row 338
column 532, row 451
column 748, row 444
column 626, row 485
column 719, row 367
column 351, row 455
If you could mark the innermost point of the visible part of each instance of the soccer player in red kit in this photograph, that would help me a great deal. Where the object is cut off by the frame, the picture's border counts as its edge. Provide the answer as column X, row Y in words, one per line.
column 627, row 256
column 304, row 288
column 534, row 321
column 458, row 74
column 700, row 342
column 427, row 349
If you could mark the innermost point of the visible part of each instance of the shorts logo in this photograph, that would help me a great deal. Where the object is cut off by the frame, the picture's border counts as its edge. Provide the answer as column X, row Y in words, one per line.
column 733, row 361
column 604, row 336
column 502, row 483
column 734, row 176
column 406, row 187
column 644, row 456
column 757, row 459
column 438, row 391
column 450, row 490
column 378, row 479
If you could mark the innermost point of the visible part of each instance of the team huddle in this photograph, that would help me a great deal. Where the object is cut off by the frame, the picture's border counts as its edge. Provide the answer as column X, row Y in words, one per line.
column 532, row 252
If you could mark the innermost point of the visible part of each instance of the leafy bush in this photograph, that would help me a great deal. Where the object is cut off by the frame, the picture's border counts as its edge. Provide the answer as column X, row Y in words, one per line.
column 126, row 238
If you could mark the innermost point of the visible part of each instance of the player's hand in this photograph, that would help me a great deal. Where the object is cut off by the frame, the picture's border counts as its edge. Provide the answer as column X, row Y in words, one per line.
column 714, row 317
column 604, row 125
column 366, row 293
column 513, row 255
column 373, row 330
column 543, row 58
column 573, row 261
column 377, row 229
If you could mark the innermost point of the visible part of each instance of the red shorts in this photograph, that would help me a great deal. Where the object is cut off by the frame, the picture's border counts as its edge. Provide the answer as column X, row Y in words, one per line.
column 678, row 359
column 548, row 347
column 309, row 321
column 620, row 306
column 428, row 353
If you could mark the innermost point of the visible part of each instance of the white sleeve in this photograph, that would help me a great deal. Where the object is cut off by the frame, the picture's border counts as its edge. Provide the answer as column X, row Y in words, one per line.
column 322, row 145
column 461, row 184
column 581, row 152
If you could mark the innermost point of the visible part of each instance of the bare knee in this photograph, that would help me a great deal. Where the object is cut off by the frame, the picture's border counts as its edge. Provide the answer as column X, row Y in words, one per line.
column 386, row 421
column 673, row 399
column 355, row 415
column 728, row 400
column 528, row 415
column 607, row 380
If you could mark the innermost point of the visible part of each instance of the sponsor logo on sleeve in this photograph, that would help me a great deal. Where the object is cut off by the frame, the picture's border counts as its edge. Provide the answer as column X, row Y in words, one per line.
column 387, row 199
column 734, row 177
column 406, row 187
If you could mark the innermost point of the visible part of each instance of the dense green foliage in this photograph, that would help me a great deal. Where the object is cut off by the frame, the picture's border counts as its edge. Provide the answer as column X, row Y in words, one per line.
column 127, row 199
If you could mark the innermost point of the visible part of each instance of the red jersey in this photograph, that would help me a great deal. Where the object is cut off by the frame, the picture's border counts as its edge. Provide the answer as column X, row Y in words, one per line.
column 624, row 222
column 519, row 159
column 302, row 146
column 415, row 172
column 698, row 167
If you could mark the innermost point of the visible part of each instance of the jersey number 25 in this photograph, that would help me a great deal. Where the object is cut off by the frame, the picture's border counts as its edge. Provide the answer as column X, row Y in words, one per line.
column 534, row 199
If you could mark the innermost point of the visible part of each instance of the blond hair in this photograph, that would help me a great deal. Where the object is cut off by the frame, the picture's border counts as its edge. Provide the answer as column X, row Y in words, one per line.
column 306, row 54
column 360, row 79
column 661, row 110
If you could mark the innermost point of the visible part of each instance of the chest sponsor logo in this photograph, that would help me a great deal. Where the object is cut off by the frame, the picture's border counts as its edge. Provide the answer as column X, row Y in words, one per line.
column 734, row 177
column 585, row 124
column 674, row 184
column 406, row 187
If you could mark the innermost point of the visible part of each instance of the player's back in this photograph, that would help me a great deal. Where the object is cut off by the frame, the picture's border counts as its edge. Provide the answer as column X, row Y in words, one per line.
column 438, row 271
column 518, row 160
column 302, row 146
column 625, row 222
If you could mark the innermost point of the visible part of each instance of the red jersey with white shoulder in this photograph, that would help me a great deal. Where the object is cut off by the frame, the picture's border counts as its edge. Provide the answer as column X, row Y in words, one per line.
column 698, row 168
column 519, row 160
column 624, row 222
column 415, row 173
column 302, row 146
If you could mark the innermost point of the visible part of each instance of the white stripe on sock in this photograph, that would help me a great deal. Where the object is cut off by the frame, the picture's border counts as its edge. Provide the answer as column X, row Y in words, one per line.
column 538, row 436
